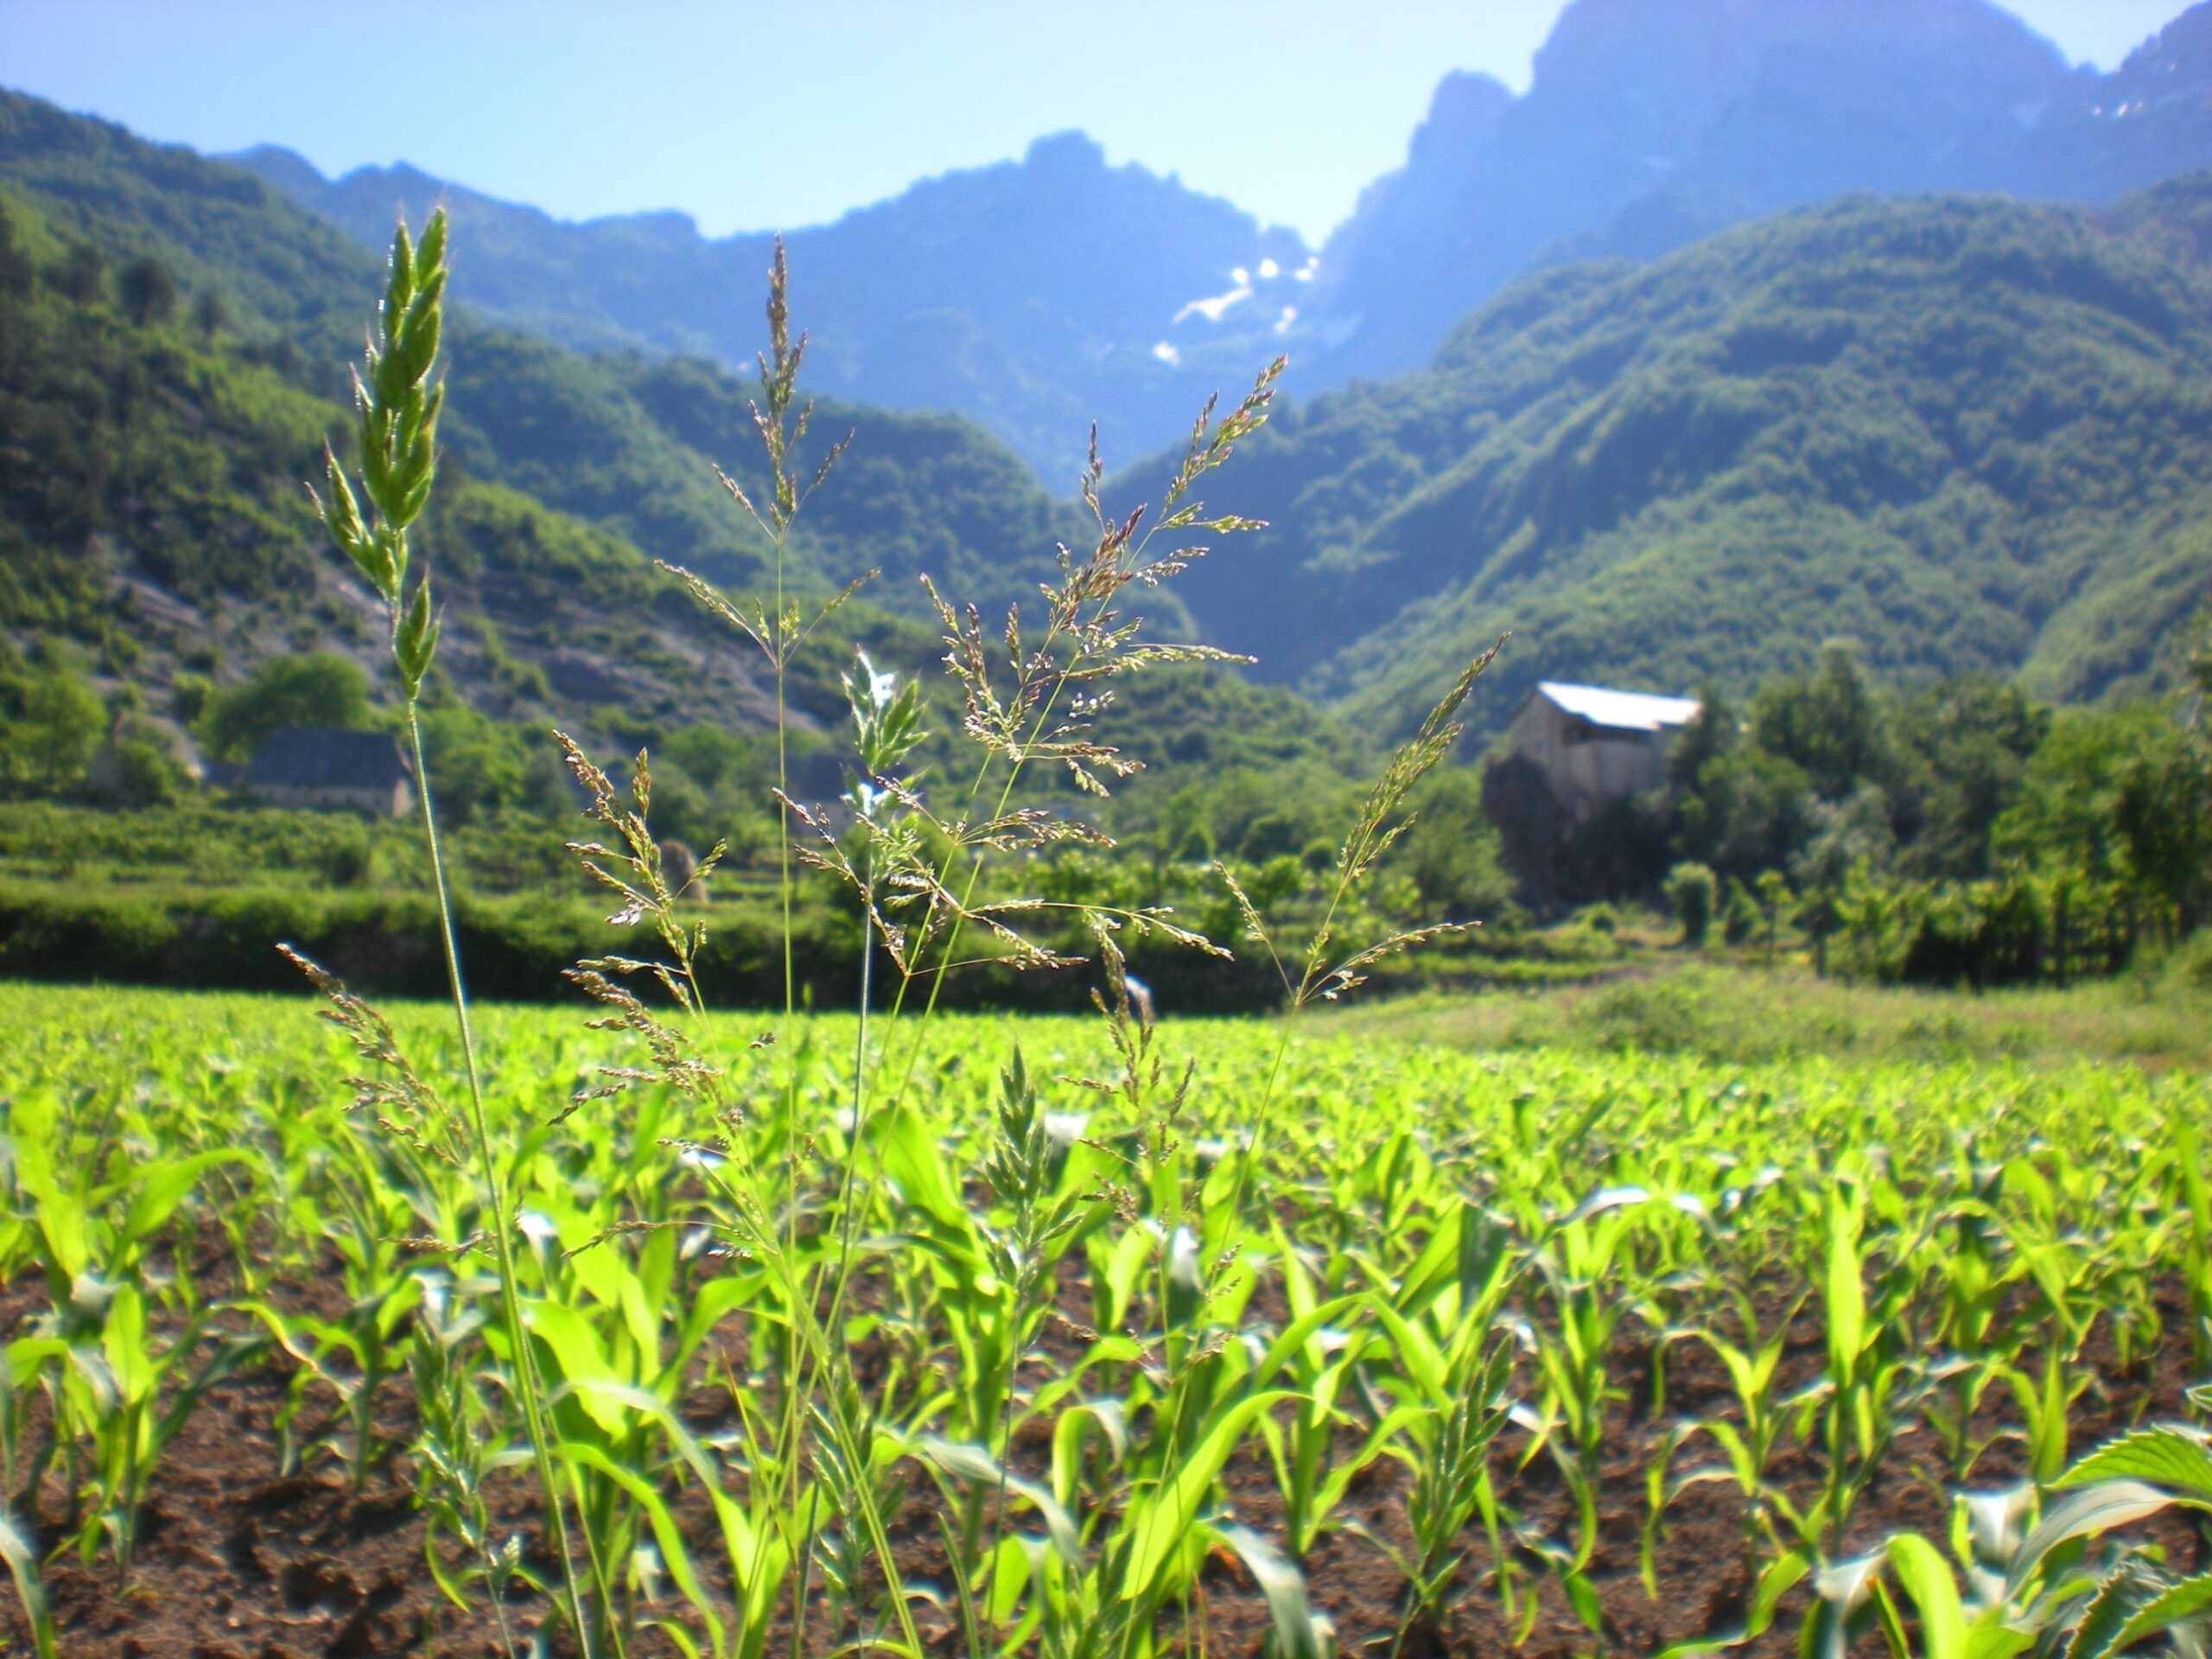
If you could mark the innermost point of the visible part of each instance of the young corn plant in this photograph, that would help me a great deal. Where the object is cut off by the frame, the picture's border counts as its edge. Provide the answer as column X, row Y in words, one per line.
column 1751, row 1439
column 1974, row 1267
column 455, row 1442
column 1871, row 1381
column 1311, row 1480
column 1580, row 1269
column 2044, row 1578
column 825, row 1420
column 369, row 1334
column 117, row 1394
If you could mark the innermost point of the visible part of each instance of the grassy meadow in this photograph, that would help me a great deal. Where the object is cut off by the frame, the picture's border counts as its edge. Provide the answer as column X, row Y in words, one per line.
column 1742, row 1012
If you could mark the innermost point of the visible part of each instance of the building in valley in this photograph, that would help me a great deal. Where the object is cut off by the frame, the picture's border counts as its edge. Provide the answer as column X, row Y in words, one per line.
column 327, row 770
column 1595, row 745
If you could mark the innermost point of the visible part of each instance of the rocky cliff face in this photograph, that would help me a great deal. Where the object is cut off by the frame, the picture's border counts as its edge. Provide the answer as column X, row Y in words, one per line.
column 1651, row 122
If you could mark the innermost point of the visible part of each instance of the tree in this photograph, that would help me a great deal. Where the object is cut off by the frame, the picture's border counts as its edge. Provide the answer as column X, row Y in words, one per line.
column 81, row 274
column 477, row 765
column 1751, row 810
column 147, row 291
column 1740, row 918
column 1692, row 891
column 142, row 770
column 1961, row 751
column 1711, row 732
column 53, row 727
column 315, row 690
column 1774, row 894
column 1453, row 852
column 16, row 269
column 2163, row 815
column 1826, row 722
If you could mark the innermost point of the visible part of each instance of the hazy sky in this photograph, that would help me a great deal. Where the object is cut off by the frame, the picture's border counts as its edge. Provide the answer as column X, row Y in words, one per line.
column 786, row 112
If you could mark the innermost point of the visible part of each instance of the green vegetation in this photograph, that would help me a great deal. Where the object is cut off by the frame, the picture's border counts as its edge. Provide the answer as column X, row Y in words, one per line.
column 109, row 1097
column 1969, row 433
column 167, row 331
column 618, row 443
column 315, row 690
column 1146, row 1319
column 1962, row 834
column 1736, row 1010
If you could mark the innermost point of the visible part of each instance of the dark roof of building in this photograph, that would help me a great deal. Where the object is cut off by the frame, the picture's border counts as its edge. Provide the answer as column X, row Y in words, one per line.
column 319, row 757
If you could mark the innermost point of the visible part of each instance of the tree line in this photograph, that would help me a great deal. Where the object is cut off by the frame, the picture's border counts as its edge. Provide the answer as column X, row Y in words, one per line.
column 1961, row 833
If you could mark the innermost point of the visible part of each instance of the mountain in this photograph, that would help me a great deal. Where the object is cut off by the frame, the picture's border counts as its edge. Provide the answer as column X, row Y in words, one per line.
column 1036, row 296
column 1033, row 296
column 155, row 453
column 150, row 511
column 2148, row 120
column 1649, row 124
column 1966, row 432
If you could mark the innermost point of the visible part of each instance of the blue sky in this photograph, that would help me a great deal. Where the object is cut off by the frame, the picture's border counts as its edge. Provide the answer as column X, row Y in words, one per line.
column 758, row 116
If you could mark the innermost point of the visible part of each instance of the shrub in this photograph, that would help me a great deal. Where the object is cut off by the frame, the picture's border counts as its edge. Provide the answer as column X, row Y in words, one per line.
column 1692, row 890
column 1741, row 920
column 317, row 689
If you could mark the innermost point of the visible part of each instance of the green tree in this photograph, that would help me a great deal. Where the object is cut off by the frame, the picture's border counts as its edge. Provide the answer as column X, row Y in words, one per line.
column 1692, row 891
column 1749, row 811
column 2163, row 813
column 1774, row 894
column 2065, row 821
column 147, row 291
column 1961, row 751
column 1453, row 852
column 1739, row 918
column 1826, row 722
column 16, row 270
column 478, row 765
column 145, row 769
column 53, row 722
column 81, row 275
column 318, row 689
column 1711, row 732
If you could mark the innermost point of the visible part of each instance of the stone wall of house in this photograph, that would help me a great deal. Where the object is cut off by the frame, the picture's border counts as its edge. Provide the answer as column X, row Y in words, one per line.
column 1588, row 768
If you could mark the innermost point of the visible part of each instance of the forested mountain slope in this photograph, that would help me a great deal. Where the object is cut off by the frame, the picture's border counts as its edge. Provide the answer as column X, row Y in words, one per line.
column 628, row 445
column 173, row 342
column 1967, row 433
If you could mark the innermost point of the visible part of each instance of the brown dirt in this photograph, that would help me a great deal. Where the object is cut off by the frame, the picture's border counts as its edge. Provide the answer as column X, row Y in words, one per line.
column 240, row 1560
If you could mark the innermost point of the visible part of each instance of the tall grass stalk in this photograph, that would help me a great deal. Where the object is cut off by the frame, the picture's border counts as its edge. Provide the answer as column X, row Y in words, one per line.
column 781, row 420
column 1081, row 608
column 399, row 401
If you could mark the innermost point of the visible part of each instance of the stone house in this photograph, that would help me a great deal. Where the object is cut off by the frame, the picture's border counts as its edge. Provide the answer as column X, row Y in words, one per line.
column 327, row 769
column 1595, row 745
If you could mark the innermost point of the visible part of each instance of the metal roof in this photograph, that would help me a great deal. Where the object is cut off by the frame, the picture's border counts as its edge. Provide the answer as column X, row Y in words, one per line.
column 1620, row 711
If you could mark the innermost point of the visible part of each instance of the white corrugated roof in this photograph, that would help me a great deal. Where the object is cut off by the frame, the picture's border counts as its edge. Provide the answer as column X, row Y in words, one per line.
column 1622, row 711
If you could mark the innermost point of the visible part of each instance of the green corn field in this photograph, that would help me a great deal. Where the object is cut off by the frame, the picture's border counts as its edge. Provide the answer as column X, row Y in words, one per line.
column 1470, row 1344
